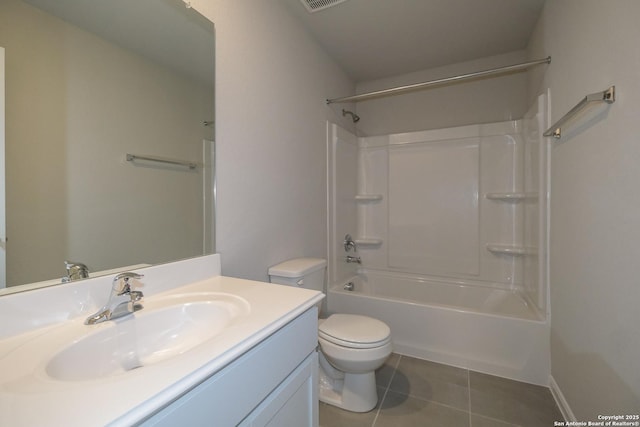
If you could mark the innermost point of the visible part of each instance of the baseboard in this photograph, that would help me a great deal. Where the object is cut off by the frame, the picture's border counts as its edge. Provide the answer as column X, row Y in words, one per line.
column 562, row 403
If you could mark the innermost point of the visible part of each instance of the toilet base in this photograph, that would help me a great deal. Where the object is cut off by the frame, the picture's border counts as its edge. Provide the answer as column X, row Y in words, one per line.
column 351, row 392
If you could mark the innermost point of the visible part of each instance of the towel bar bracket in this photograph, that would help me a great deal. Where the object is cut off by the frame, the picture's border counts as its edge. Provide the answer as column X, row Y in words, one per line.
column 608, row 96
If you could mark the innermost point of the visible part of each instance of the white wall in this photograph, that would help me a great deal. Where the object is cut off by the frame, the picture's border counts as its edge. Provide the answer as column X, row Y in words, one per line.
column 272, row 80
column 595, row 203
column 480, row 101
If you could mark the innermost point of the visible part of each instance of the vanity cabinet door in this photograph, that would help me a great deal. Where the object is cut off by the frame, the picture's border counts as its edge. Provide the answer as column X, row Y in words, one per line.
column 271, row 378
column 293, row 403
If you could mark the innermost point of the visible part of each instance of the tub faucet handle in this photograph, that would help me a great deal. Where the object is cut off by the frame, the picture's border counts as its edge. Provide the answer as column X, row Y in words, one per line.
column 349, row 243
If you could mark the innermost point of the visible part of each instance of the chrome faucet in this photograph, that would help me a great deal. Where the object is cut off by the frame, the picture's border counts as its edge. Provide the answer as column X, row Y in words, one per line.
column 122, row 301
column 353, row 259
column 75, row 271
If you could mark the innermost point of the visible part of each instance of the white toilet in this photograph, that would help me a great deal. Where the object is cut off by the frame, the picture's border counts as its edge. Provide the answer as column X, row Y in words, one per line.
column 352, row 347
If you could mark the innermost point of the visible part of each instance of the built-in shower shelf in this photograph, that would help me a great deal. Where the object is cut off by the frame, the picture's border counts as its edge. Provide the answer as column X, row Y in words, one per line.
column 368, row 241
column 368, row 197
column 514, row 250
column 512, row 197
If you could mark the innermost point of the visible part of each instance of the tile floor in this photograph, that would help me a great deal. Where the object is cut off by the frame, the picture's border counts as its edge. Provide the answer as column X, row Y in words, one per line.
column 414, row 392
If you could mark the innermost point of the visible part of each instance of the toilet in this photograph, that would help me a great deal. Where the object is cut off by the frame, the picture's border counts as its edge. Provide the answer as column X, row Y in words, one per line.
column 352, row 347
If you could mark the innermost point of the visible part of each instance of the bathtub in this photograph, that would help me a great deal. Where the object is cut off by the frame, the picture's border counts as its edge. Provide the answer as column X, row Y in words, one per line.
column 483, row 329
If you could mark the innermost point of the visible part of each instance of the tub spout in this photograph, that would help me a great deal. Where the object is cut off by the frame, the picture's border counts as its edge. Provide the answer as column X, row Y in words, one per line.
column 353, row 259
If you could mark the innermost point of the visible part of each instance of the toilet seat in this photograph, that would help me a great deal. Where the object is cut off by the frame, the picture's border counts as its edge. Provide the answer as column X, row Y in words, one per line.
column 354, row 331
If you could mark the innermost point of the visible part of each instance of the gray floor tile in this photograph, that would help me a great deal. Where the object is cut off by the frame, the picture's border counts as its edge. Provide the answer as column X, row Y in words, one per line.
column 432, row 381
column 384, row 374
column 480, row 421
column 330, row 416
column 401, row 410
column 512, row 401
column 423, row 393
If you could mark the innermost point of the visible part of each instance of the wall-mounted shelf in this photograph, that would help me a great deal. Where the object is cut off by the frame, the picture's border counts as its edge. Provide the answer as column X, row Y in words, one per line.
column 368, row 197
column 514, row 250
column 368, row 241
column 511, row 197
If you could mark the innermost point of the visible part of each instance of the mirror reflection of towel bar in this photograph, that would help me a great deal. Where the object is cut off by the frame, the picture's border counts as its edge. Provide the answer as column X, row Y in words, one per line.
column 190, row 165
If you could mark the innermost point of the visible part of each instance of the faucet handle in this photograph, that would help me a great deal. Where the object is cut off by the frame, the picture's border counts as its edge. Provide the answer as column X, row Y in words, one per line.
column 123, row 278
column 349, row 243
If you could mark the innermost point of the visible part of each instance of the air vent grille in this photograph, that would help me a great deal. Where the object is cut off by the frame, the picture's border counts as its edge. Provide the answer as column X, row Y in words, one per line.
column 317, row 5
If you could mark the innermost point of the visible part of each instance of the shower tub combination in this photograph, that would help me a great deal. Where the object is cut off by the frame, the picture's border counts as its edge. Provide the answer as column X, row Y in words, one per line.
column 451, row 228
column 479, row 328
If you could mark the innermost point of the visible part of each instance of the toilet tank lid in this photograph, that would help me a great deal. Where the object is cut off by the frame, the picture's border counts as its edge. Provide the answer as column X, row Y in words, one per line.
column 297, row 267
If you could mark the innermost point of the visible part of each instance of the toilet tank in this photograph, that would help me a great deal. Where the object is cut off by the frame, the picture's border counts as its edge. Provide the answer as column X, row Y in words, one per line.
column 306, row 273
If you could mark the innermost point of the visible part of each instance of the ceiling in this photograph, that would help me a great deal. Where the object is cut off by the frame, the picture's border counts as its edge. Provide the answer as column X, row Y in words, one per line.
column 372, row 39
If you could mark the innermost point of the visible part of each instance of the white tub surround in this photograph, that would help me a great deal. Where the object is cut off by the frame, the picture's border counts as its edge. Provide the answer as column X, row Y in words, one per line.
column 466, row 203
column 454, row 204
column 451, row 230
column 39, row 324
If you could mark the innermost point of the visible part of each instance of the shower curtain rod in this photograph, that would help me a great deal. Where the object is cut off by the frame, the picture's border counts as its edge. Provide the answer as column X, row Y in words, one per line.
column 455, row 79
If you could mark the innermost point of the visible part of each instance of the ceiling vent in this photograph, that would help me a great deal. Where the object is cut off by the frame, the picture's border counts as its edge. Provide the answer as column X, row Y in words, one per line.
column 317, row 5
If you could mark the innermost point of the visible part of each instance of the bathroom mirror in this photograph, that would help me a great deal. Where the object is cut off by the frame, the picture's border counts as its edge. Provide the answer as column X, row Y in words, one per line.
column 86, row 83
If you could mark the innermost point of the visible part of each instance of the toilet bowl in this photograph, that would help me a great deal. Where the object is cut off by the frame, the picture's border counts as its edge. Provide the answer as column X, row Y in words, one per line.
column 351, row 346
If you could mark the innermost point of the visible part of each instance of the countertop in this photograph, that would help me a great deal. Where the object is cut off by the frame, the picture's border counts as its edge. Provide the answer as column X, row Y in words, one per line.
column 30, row 397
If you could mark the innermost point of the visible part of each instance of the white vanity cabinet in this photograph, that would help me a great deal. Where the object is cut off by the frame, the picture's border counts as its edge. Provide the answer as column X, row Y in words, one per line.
column 273, row 384
column 241, row 353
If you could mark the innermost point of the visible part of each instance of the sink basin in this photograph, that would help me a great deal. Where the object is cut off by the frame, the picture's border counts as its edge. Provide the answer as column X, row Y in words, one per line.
column 165, row 328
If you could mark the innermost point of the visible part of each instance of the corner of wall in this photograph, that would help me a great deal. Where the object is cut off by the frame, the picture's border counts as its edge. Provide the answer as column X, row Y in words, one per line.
column 562, row 403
